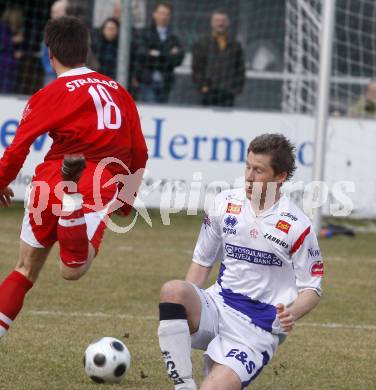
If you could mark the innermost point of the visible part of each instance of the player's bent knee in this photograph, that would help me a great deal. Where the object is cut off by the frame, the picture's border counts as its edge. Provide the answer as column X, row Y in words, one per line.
column 75, row 270
column 72, row 273
column 71, row 276
column 175, row 291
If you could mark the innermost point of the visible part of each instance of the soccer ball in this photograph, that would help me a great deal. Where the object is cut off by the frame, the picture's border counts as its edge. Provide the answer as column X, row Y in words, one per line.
column 107, row 360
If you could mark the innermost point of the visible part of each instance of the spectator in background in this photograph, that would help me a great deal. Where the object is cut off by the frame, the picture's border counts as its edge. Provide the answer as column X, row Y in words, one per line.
column 105, row 46
column 11, row 48
column 81, row 9
column 158, row 52
column 58, row 9
column 366, row 105
column 7, row 60
column 218, row 64
column 14, row 17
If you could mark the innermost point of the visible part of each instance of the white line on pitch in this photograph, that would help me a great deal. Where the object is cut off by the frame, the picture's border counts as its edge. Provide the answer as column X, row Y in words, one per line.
column 90, row 315
column 132, row 317
column 336, row 325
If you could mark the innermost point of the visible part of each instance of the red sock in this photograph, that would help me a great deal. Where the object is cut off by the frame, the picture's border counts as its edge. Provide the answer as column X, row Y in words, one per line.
column 12, row 294
column 72, row 235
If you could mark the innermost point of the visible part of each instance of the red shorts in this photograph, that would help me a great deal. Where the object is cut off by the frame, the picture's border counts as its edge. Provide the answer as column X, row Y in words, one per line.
column 39, row 226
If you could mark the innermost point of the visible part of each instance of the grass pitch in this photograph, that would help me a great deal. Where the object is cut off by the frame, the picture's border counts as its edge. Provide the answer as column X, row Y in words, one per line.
column 332, row 348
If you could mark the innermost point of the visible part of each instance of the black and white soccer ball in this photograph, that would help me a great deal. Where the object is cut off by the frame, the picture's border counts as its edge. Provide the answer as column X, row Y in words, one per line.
column 107, row 360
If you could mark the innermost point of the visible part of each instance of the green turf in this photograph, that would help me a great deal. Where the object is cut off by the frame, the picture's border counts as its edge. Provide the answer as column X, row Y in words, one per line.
column 44, row 349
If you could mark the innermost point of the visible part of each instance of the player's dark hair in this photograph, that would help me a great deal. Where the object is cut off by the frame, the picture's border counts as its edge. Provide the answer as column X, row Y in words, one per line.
column 111, row 20
column 67, row 38
column 220, row 11
column 281, row 150
column 165, row 4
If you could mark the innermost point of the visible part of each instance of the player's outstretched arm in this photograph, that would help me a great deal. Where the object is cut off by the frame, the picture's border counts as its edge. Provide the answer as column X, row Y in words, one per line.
column 34, row 123
column 303, row 304
column 5, row 196
column 198, row 274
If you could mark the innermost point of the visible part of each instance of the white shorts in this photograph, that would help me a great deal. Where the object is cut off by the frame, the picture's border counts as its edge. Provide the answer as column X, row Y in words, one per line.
column 229, row 339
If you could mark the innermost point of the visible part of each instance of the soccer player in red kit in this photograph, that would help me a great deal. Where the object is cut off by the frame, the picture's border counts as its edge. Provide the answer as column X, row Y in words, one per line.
column 86, row 114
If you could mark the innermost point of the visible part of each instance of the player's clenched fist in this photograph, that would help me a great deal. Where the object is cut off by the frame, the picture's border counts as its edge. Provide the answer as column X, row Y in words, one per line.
column 5, row 196
column 285, row 317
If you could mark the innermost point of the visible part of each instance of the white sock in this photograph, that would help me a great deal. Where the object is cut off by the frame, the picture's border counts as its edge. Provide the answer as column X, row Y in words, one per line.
column 72, row 202
column 175, row 344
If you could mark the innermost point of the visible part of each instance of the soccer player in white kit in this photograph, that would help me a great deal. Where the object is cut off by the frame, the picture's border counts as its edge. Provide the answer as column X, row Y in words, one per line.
column 270, row 276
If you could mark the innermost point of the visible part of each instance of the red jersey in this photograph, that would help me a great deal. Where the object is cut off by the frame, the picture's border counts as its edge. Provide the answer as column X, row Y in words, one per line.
column 84, row 112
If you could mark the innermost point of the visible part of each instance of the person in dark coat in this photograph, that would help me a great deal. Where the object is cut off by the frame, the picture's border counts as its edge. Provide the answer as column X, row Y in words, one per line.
column 159, row 51
column 11, row 48
column 8, row 63
column 218, row 66
column 105, row 47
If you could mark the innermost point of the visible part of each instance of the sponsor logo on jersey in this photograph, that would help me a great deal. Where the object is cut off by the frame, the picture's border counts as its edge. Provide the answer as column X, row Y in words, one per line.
column 314, row 252
column 234, row 197
column 230, row 222
column 288, row 215
column 233, row 208
column 206, row 221
column 283, row 226
column 254, row 233
column 276, row 240
column 253, row 256
column 317, row 269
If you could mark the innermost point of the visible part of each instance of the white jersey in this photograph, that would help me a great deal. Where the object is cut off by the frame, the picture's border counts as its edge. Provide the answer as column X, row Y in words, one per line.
column 266, row 259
